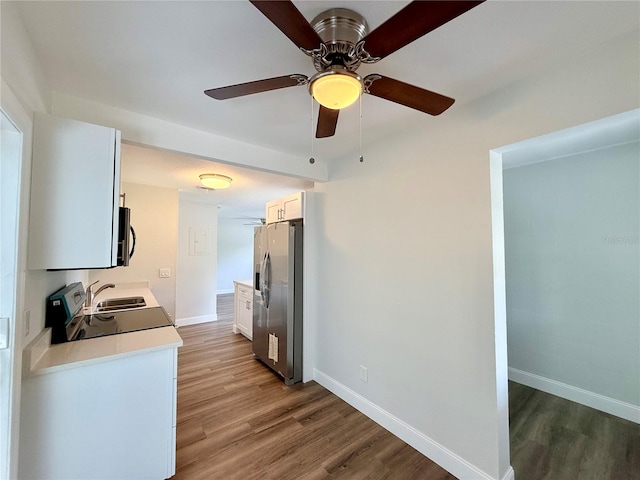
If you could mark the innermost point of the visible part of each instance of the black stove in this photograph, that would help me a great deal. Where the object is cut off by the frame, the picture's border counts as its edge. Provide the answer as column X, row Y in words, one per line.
column 123, row 321
column 68, row 323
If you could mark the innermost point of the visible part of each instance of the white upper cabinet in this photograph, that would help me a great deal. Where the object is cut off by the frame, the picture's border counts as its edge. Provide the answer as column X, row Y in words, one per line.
column 75, row 193
column 286, row 208
column 273, row 211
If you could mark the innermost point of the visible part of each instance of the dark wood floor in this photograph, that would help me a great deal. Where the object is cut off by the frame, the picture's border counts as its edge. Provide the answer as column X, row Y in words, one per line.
column 237, row 420
column 556, row 439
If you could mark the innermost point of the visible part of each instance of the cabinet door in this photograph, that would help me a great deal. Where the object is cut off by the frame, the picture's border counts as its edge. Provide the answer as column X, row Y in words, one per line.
column 273, row 212
column 244, row 309
column 237, row 310
column 75, row 189
column 247, row 317
column 125, row 432
column 292, row 206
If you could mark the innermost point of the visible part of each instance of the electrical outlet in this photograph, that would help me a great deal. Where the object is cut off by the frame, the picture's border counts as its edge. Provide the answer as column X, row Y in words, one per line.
column 164, row 272
column 364, row 374
column 27, row 322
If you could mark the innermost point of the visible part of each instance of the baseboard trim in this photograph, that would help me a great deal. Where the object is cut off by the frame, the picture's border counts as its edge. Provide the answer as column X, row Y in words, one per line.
column 510, row 475
column 448, row 460
column 224, row 291
column 590, row 399
column 183, row 322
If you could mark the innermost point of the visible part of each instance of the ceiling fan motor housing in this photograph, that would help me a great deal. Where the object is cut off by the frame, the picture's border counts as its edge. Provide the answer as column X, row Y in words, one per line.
column 340, row 30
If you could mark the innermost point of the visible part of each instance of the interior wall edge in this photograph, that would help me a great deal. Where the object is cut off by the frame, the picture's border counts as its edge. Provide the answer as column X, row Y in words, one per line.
column 439, row 454
column 500, row 309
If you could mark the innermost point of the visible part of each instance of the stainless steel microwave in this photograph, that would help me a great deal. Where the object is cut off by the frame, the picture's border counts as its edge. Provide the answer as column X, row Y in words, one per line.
column 126, row 237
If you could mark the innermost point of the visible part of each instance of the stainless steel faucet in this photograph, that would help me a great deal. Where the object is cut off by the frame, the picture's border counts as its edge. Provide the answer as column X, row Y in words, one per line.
column 91, row 294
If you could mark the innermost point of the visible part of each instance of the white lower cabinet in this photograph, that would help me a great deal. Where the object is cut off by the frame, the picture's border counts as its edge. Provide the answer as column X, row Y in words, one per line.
column 243, row 311
column 110, row 420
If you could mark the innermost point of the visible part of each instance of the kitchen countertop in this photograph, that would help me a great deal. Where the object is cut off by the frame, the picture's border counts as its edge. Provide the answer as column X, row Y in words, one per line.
column 40, row 357
column 244, row 283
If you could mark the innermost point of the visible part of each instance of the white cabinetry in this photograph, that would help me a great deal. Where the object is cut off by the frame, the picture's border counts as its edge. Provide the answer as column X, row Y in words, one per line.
column 106, row 420
column 75, row 190
column 285, row 208
column 243, row 312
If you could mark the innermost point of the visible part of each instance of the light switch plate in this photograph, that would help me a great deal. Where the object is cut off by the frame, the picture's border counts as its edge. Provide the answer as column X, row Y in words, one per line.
column 164, row 273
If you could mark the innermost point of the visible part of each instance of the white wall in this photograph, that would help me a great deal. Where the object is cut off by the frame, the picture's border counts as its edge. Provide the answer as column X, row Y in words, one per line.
column 154, row 217
column 235, row 253
column 196, row 269
column 24, row 91
column 573, row 270
column 405, row 283
column 21, row 68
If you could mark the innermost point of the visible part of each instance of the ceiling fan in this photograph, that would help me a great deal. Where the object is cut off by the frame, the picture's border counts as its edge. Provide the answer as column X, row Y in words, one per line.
column 251, row 221
column 338, row 41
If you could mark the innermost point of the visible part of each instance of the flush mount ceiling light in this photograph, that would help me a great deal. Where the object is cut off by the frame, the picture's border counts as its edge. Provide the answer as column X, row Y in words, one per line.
column 335, row 88
column 215, row 181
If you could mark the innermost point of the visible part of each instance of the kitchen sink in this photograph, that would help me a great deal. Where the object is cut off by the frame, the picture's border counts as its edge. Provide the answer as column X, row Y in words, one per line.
column 123, row 303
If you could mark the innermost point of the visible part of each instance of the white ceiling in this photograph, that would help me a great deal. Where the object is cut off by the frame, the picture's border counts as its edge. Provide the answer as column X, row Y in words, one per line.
column 157, row 58
column 245, row 198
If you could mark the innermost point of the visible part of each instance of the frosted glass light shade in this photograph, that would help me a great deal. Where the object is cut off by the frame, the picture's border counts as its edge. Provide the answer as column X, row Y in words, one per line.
column 335, row 89
column 215, row 181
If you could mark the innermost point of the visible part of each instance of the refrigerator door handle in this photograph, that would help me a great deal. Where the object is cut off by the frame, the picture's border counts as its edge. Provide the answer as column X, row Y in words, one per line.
column 265, row 279
column 261, row 276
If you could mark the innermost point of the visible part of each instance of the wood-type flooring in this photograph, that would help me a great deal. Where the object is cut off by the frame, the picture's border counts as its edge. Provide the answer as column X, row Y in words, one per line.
column 556, row 439
column 238, row 421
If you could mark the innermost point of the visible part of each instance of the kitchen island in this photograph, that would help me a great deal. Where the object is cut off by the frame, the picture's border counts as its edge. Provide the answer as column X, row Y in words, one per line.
column 101, row 408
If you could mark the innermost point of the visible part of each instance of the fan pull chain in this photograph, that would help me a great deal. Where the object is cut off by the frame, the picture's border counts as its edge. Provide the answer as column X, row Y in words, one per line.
column 312, row 160
column 361, row 157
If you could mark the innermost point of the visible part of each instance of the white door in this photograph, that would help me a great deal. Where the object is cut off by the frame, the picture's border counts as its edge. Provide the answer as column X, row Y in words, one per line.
column 10, row 155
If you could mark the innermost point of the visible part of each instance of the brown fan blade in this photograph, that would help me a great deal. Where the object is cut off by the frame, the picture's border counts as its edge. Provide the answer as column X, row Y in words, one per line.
column 413, row 21
column 327, row 121
column 407, row 95
column 284, row 15
column 258, row 86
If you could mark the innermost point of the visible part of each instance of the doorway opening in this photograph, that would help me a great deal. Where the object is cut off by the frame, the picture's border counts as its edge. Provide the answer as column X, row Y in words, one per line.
column 10, row 167
column 566, row 227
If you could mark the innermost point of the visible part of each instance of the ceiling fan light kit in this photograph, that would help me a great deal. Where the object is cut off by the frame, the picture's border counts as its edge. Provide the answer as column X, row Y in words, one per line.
column 215, row 181
column 338, row 41
column 335, row 88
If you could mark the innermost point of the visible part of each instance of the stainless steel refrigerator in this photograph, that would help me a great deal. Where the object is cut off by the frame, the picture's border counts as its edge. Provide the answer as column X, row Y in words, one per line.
column 277, row 305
